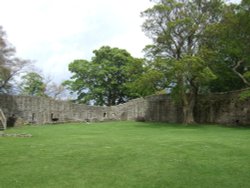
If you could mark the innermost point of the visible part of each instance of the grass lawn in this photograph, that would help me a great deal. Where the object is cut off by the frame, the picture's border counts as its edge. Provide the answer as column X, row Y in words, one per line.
column 124, row 155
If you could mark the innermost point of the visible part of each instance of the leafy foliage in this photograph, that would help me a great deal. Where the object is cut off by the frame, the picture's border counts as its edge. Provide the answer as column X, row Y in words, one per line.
column 104, row 80
column 229, row 40
column 149, row 82
column 177, row 29
column 192, row 70
column 33, row 85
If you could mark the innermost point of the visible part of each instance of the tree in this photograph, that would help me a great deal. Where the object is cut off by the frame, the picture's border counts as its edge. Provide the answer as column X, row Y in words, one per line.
column 56, row 91
column 150, row 82
column 152, row 79
column 10, row 66
column 105, row 79
column 176, row 28
column 194, row 72
column 33, row 85
column 229, row 42
column 6, row 51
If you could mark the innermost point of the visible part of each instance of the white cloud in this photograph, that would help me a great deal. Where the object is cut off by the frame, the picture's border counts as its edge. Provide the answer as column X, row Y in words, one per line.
column 55, row 32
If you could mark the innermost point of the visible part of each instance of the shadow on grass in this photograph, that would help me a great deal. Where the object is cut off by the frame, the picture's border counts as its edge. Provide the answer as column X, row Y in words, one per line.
column 181, row 126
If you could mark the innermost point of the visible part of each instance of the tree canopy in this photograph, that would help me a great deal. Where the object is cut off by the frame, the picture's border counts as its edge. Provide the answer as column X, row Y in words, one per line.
column 177, row 29
column 199, row 46
column 33, row 84
column 105, row 79
column 228, row 40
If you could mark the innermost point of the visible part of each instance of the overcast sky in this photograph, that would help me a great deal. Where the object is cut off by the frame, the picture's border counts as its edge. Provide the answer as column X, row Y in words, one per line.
column 55, row 32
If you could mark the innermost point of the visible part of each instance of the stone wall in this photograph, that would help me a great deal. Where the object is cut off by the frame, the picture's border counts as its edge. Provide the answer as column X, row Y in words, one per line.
column 223, row 108
column 163, row 109
column 130, row 110
column 42, row 110
column 217, row 108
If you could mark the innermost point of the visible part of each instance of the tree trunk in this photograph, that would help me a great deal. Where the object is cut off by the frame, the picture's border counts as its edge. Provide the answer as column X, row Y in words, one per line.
column 188, row 108
column 188, row 115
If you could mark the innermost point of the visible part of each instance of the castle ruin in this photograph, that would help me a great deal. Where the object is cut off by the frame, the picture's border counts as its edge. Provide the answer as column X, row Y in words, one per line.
column 221, row 108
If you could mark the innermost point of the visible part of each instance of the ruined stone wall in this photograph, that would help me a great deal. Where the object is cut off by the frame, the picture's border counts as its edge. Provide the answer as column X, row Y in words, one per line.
column 223, row 108
column 152, row 108
column 44, row 110
column 162, row 108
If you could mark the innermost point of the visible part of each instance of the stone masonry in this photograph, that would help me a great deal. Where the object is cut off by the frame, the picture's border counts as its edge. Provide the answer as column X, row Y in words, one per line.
column 223, row 108
column 39, row 110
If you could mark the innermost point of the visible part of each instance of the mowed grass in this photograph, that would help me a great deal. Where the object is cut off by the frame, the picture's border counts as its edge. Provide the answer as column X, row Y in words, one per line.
column 124, row 155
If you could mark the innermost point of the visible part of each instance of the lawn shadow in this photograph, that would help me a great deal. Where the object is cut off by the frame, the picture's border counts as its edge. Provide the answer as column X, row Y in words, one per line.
column 186, row 126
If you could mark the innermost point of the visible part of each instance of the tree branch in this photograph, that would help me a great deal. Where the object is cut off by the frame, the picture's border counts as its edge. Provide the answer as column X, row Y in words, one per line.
column 234, row 68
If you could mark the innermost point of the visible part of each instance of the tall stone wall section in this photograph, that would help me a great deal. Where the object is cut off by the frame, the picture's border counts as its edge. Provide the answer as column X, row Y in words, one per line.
column 223, row 108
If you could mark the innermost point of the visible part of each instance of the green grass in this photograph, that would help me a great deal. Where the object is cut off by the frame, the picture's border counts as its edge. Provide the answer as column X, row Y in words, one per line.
column 124, row 155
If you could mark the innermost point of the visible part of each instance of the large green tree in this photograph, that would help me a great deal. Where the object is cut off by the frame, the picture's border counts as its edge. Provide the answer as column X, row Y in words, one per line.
column 105, row 80
column 176, row 28
column 229, row 42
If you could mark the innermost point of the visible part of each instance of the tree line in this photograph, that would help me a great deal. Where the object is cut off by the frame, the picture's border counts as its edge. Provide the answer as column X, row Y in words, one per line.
column 198, row 47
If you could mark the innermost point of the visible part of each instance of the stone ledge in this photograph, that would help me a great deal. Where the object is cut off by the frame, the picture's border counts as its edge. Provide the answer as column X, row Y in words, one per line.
column 23, row 135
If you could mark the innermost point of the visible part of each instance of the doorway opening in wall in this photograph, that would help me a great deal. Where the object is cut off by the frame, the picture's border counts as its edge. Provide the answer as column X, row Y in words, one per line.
column 33, row 116
column 11, row 121
column 53, row 118
column 104, row 114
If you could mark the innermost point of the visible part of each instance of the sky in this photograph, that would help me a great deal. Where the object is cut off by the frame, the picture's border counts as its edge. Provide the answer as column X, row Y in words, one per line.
column 53, row 33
